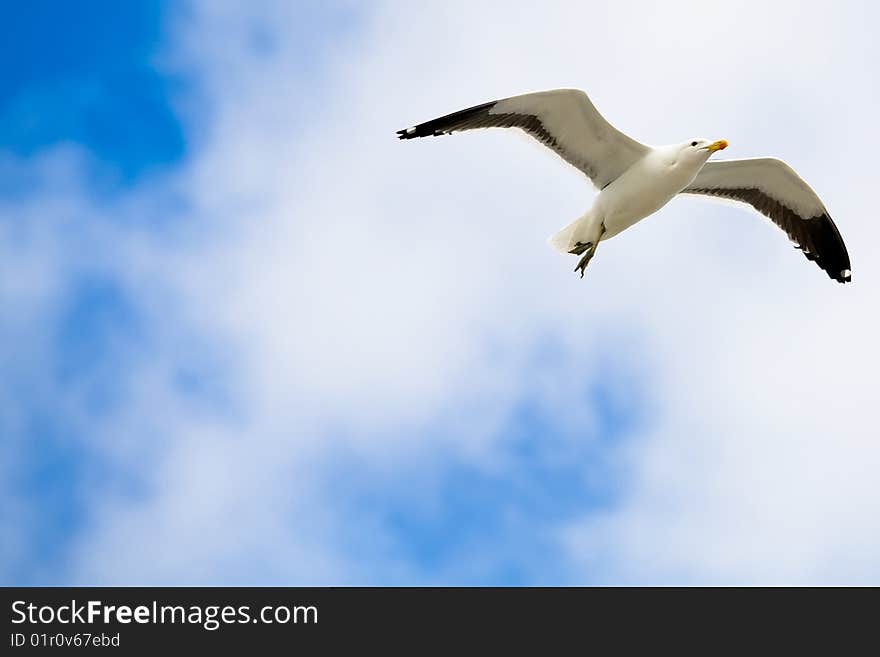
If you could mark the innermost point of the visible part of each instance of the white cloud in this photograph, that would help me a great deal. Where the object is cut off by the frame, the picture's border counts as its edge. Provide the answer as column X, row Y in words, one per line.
column 364, row 292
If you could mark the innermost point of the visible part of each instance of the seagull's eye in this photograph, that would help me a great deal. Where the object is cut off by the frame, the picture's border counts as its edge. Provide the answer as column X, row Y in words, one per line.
column 693, row 143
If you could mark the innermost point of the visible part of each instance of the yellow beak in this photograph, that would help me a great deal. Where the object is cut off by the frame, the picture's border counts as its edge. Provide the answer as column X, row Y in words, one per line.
column 719, row 145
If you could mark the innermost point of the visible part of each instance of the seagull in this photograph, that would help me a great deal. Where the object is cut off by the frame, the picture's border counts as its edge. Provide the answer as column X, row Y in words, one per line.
column 635, row 180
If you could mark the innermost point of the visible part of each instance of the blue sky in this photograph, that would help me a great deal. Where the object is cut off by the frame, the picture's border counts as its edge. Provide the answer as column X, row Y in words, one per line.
column 94, row 84
column 97, row 86
column 249, row 338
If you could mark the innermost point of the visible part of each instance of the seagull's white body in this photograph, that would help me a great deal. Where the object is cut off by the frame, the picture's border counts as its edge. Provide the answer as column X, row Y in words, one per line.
column 636, row 180
column 649, row 184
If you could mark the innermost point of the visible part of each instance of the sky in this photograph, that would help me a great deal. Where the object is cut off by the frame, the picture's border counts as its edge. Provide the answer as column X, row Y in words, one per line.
column 249, row 337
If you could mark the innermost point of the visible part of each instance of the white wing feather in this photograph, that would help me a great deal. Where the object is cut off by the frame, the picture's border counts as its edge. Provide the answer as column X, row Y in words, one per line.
column 775, row 190
column 563, row 119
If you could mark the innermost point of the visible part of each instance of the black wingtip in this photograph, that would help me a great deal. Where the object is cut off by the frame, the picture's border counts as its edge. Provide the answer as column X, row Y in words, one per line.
column 411, row 133
column 446, row 124
column 820, row 241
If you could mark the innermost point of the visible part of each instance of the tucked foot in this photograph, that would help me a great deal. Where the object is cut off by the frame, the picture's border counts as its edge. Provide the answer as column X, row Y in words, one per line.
column 580, row 247
column 586, row 250
column 584, row 261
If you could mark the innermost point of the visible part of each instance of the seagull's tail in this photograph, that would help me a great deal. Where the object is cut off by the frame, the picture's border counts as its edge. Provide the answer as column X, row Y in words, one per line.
column 565, row 239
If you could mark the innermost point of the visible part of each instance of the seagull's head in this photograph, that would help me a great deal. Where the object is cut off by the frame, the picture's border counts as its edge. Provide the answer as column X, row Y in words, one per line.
column 702, row 148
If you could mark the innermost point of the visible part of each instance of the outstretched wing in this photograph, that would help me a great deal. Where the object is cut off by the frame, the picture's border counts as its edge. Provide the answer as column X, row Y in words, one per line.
column 776, row 191
column 563, row 119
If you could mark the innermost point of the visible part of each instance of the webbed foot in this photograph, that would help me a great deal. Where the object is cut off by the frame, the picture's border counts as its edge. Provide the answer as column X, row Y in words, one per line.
column 584, row 261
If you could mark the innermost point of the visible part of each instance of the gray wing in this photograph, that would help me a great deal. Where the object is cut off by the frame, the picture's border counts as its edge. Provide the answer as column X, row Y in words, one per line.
column 564, row 120
column 773, row 188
